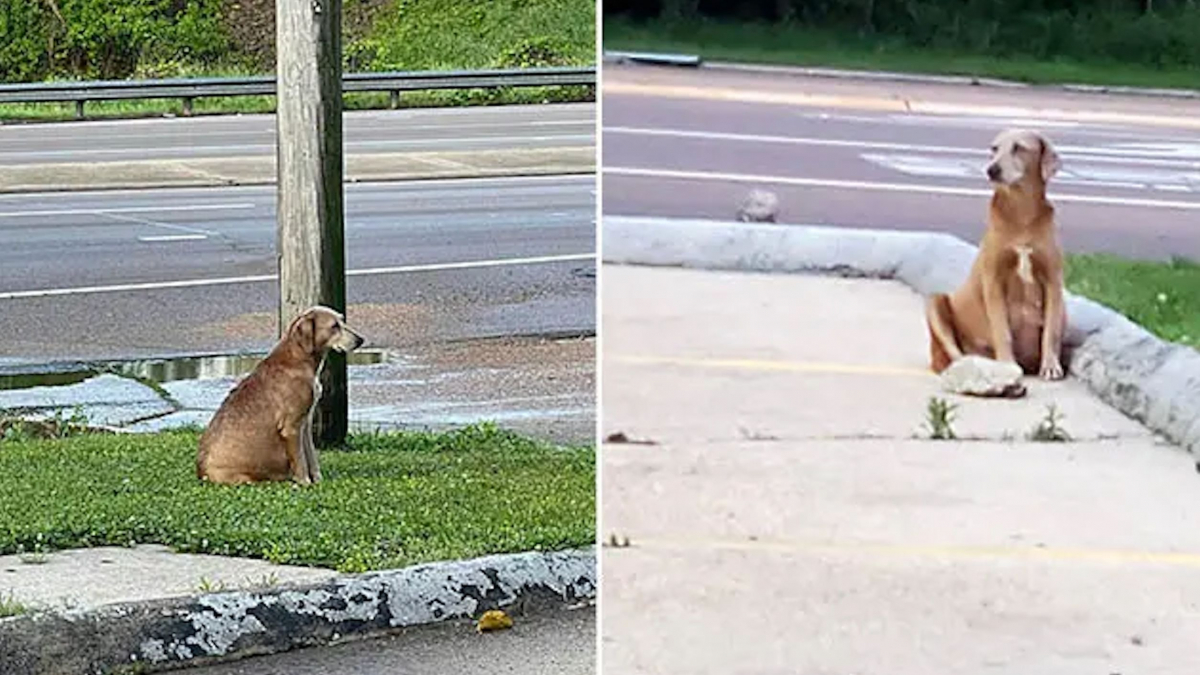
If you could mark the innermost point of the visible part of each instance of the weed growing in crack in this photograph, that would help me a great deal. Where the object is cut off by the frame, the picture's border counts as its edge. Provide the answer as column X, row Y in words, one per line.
column 10, row 606
column 1049, row 429
column 939, row 418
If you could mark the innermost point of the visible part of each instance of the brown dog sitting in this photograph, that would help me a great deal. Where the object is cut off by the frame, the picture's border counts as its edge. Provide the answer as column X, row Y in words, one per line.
column 1011, row 306
column 263, row 429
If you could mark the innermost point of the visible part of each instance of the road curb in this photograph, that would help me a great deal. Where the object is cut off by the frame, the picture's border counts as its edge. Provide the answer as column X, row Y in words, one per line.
column 697, row 61
column 166, row 634
column 1152, row 381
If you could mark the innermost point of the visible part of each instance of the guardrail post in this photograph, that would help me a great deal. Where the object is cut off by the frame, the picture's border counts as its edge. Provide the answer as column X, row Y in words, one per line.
column 187, row 106
column 79, row 109
column 311, row 236
column 394, row 99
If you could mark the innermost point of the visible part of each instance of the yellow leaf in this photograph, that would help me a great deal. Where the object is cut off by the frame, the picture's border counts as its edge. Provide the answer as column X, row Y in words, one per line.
column 493, row 620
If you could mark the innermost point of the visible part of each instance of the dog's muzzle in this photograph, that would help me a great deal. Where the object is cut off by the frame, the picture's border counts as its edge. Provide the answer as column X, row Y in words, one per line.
column 994, row 172
column 348, row 341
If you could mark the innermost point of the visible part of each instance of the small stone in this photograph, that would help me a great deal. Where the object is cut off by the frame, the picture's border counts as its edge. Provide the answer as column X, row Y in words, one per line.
column 979, row 376
column 759, row 206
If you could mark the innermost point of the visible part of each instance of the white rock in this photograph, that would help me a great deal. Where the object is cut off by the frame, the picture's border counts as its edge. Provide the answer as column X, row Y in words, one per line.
column 979, row 376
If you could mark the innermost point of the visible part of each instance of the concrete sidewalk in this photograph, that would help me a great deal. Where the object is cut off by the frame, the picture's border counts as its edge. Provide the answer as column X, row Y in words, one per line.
column 792, row 517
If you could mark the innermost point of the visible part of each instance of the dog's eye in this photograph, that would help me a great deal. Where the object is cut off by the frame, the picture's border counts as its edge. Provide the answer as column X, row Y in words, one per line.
column 994, row 149
column 1014, row 149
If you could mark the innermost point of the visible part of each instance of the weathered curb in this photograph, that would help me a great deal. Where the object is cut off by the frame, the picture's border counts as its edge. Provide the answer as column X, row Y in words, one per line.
column 1154, row 382
column 161, row 635
column 697, row 61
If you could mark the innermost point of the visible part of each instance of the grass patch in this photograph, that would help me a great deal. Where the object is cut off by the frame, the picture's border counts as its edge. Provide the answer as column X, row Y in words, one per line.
column 1163, row 297
column 10, row 606
column 791, row 44
column 389, row 500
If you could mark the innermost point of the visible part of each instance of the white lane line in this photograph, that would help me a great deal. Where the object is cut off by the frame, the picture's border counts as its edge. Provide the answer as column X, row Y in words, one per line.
column 224, row 281
column 173, row 237
column 416, row 184
column 256, row 149
column 1089, row 154
column 884, row 187
column 124, row 209
column 166, row 226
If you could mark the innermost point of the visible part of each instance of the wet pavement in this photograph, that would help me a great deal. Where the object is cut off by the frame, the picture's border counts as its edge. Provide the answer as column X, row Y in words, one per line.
column 540, row 386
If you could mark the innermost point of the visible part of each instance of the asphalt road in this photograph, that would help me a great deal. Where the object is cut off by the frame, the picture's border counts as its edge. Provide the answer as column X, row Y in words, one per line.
column 560, row 643
column 254, row 135
column 128, row 273
column 693, row 143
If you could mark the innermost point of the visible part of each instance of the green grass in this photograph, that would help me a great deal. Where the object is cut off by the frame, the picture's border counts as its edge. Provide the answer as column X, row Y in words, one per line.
column 805, row 46
column 445, row 34
column 1162, row 297
column 10, row 606
column 389, row 500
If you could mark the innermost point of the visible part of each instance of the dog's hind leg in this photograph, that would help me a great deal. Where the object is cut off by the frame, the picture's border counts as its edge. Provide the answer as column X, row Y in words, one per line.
column 294, row 447
column 943, row 343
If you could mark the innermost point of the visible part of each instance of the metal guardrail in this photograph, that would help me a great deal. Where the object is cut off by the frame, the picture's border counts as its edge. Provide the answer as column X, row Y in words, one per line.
column 190, row 89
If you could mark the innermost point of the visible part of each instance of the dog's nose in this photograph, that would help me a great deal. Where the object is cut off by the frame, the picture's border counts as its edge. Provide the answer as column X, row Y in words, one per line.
column 993, row 171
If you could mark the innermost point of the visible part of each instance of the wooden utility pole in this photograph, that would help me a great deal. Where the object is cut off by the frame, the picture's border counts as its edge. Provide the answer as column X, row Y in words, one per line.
column 311, row 241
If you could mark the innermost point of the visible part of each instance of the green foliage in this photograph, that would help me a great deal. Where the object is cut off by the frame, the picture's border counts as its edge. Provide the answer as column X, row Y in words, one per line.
column 389, row 500
column 1117, row 34
column 450, row 34
column 1163, row 297
column 104, row 39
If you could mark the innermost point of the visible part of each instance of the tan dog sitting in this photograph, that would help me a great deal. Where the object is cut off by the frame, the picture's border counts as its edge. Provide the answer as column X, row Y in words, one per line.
column 1011, row 306
column 263, row 429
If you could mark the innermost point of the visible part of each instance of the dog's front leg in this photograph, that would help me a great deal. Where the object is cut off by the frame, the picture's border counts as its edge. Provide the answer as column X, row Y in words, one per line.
column 1052, row 327
column 997, row 316
column 309, row 449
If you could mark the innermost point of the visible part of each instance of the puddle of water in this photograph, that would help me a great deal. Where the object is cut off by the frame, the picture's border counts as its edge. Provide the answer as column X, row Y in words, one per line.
column 168, row 370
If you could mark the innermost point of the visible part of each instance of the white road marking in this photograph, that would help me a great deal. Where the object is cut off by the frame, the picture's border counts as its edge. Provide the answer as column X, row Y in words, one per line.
column 258, row 149
column 125, row 209
column 166, row 226
column 415, row 184
column 884, row 187
column 1159, row 155
column 193, row 283
column 1075, row 173
column 173, row 237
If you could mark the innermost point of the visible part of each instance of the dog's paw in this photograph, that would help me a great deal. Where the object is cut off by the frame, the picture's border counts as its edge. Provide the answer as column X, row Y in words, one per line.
column 1051, row 370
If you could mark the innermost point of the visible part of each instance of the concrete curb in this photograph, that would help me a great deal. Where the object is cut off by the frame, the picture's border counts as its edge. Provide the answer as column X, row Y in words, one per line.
column 161, row 635
column 1151, row 381
column 695, row 60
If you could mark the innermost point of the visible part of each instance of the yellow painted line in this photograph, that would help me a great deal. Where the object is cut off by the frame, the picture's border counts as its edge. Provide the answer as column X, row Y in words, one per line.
column 893, row 104
column 776, row 366
column 1029, row 553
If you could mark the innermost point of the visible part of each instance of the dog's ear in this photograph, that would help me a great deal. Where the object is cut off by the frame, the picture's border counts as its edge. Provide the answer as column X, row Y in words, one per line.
column 1050, row 160
column 304, row 331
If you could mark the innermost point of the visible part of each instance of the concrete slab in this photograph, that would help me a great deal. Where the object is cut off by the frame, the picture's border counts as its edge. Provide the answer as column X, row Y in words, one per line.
column 215, row 171
column 100, row 576
column 786, row 520
column 811, row 357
